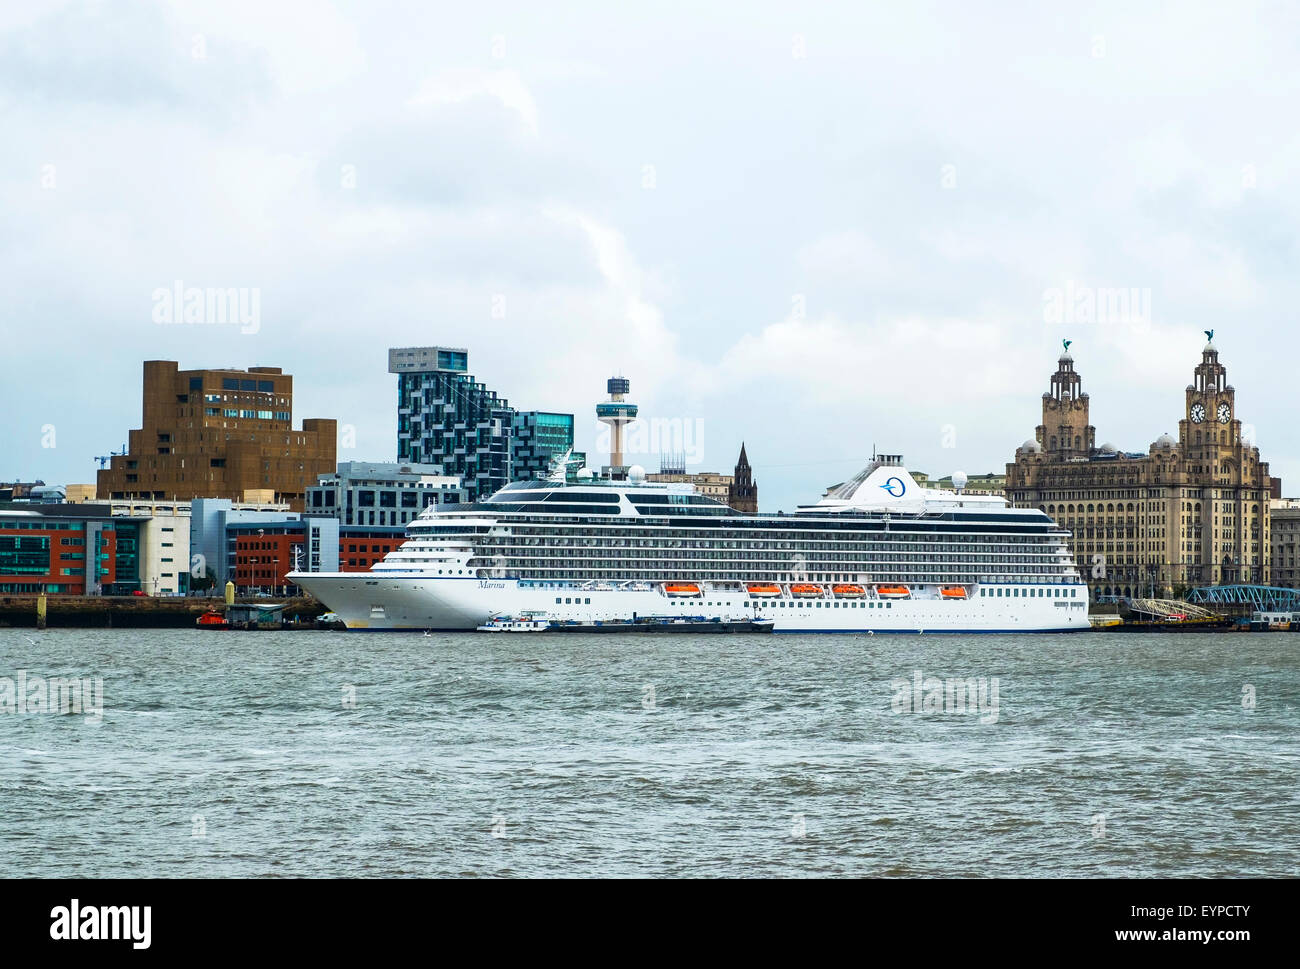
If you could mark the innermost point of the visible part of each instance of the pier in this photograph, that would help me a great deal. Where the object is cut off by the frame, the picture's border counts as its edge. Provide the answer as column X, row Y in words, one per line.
column 133, row 612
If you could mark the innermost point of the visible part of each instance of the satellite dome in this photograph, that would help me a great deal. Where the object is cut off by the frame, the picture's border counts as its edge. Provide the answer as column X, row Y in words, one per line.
column 586, row 473
column 636, row 474
column 959, row 480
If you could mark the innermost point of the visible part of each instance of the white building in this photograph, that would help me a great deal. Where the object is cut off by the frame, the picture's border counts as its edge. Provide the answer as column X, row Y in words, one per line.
column 164, row 543
column 361, row 493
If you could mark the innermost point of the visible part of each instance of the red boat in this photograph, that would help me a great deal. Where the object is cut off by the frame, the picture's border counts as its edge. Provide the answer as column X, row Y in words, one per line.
column 211, row 618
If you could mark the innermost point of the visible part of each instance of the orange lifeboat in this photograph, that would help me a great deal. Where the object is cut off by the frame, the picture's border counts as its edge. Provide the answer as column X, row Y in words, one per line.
column 764, row 591
column 953, row 592
column 211, row 618
column 849, row 591
column 682, row 590
column 806, row 591
column 893, row 591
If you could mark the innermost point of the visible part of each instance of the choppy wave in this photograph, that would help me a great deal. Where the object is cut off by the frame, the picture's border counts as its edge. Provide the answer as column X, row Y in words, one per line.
column 331, row 755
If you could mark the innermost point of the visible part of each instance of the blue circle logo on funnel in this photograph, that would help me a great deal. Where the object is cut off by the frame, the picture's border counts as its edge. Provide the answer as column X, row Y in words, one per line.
column 895, row 487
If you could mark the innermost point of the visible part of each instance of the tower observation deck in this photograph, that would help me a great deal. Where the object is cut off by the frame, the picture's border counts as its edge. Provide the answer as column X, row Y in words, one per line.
column 616, row 412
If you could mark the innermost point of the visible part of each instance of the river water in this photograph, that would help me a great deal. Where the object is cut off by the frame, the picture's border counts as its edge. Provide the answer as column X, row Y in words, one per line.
column 326, row 754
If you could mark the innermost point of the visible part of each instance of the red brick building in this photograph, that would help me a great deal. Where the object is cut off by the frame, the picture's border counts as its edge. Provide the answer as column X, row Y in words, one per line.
column 263, row 561
column 45, row 549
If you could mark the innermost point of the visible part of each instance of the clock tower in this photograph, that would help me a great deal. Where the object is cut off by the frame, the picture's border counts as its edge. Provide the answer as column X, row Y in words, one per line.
column 1210, row 422
column 1065, row 431
column 1189, row 512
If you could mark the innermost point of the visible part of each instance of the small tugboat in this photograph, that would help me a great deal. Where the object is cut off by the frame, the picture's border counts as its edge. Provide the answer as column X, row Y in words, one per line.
column 211, row 619
column 525, row 622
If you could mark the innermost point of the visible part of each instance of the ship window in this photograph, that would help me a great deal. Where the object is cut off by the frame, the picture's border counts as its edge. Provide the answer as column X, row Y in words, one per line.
column 586, row 602
column 889, row 605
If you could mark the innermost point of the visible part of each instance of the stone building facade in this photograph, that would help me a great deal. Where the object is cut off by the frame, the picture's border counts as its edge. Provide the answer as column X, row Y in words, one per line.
column 738, row 490
column 1191, row 511
column 1284, row 540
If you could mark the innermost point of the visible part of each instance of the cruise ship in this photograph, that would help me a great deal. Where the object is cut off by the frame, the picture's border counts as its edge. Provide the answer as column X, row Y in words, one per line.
column 879, row 553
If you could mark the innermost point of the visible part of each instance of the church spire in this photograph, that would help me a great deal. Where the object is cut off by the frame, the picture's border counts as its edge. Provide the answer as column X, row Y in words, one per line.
column 742, row 494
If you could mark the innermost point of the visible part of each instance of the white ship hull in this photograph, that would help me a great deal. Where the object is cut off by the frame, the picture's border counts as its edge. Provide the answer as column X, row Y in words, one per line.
column 389, row 601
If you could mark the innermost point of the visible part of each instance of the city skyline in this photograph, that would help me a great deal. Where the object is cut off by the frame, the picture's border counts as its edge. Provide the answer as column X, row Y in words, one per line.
column 891, row 271
column 648, row 430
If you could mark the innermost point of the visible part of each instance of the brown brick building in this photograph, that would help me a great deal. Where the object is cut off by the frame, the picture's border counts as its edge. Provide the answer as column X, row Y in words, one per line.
column 1191, row 511
column 220, row 434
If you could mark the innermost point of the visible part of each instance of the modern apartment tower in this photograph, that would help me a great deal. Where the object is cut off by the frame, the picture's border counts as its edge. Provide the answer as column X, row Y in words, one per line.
column 219, row 434
column 448, row 419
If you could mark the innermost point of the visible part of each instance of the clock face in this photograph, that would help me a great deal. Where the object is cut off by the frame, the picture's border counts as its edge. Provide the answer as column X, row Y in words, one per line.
column 1198, row 413
column 1224, row 413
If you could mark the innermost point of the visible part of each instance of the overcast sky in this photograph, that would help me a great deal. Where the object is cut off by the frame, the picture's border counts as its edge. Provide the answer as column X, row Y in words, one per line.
column 813, row 230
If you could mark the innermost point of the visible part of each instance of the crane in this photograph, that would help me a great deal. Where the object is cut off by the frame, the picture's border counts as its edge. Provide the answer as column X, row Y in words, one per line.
column 103, row 459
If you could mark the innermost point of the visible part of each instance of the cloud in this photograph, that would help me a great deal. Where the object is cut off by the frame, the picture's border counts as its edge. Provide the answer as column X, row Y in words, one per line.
column 456, row 86
column 389, row 181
